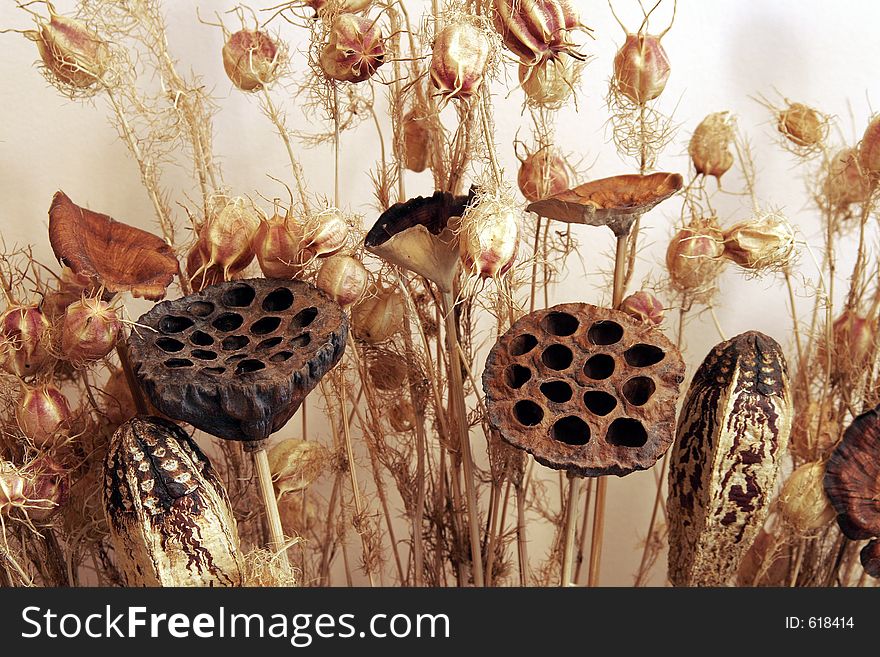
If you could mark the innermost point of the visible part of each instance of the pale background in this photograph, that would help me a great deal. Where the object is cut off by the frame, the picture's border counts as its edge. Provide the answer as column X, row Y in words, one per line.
column 723, row 53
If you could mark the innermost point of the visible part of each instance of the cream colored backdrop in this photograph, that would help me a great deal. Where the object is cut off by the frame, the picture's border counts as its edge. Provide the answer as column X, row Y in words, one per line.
column 723, row 53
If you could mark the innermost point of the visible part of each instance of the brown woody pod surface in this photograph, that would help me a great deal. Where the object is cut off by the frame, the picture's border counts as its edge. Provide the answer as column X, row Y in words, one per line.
column 584, row 389
column 236, row 359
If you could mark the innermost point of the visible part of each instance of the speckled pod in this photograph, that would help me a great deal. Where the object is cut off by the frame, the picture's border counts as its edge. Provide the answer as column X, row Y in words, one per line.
column 732, row 432
column 169, row 515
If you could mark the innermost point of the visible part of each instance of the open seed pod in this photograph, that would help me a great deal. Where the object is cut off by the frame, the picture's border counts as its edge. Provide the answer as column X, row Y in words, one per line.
column 237, row 359
column 119, row 257
column 614, row 202
column 584, row 389
column 419, row 237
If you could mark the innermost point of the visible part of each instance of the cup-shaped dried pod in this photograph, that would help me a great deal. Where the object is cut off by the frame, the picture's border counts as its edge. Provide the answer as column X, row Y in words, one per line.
column 355, row 49
column 816, row 429
column 252, row 59
column 852, row 483
column 763, row 243
column 489, row 237
column 420, row 236
column 732, row 432
column 296, row 464
column 43, row 414
column 228, row 236
column 324, row 234
column 417, row 141
column 845, row 181
column 459, row 58
column 709, row 146
column 542, row 174
column 89, row 330
column 802, row 125
column 379, row 316
column 536, row 30
column 343, row 278
column 278, row 247
column 169, row 515
column 641, row 68
column 643, row 306
column 855, row 337
column 694, row 257
column 803, row 501
column 869, row 149
column 549, row 83
column 73, row 53
column 401, row 416
column 24, row 337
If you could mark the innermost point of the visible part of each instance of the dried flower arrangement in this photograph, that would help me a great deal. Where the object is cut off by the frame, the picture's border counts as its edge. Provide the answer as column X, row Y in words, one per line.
column 409, row 428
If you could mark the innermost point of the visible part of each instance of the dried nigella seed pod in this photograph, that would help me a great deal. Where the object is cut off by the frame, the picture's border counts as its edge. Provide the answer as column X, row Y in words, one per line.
column 355, row 49
column 252, row 59
column 694, row 257
column 489, row 237
column 324, row 234
column 536, row 30
column 550, row 83
column 855, row 337
column 352, row 6
column 815, row 430
column 802, row 125
column 585, row 389
column 43, row 414
column 343, row 279
column 37, row 490
column 803, row 502
column 459, row 59
column 641, row 68
column 542, row 174
column 732, row 432
column 278, row 246
column 709, row 147
column 228, row 236
column 852, row 483
column 845, row 181
column 869, row 149
column 644, row 307
column 379, row 316
column 763, row 243
column 296, row 464
column 169, row 515
column 417, row 141
column 89, row 330
column 74, row 54
column 23, row 340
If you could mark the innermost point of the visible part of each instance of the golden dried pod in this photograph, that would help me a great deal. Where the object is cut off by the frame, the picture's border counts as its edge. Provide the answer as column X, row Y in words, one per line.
column 401, row 416
column 815, row 431
column 550, row 83
column 765, row 242
column 536, row 30
column 709, row 146
column 459, row 58
column 299, row 514
column 489, row 237
column 641, row 68
column 89, row 330
column 869, row 148
column 845, row 181
column 542, row 174
column 324, row 234
column 75, row 54
column 644, row 306
column 802, row 125
column 355, row 49
column 378, row 317
column 343, row 278
column 251, row 59
column 36, row 491
column 803, row 501
column 24, row 336
column 855, row 340
column 43, row 414
column 352, row 6
column 694, row 256
column 229, row 236
column 417, row 141
column 296, row 464
column 388, row 370
column 277, row 245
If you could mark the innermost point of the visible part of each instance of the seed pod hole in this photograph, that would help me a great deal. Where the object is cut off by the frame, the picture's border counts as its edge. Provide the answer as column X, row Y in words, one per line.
column 523, row 344
column 174, row 324
column 201, row 339
column 278, row 300
column 516, row 376
column 249, row 365
column 557, row 357
column 169, row 345
column 571, row 430
column 200, row 308
column 268, row 343
column 638, row 390
column 599, row 367
column 235, row 342
column 227, row 322
column 175, row 363
column 528, row 413
column 301, row 340
column 235, row 357
column 214, row 371
column 239, row 296
column 303, row 318
column 561, row 324
column 557, row 391
column 643, row 355
column 599, row 402
column 265, row 325
column 281, row 356
column 204, row 354
column 626, row 432
column 605, row 333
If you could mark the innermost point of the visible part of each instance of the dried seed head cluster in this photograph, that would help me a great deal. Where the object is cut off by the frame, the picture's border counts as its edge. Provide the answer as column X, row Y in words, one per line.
column 252, row 59
column 459, row 58
column 355, row 49
column 709, row 147
column 542, row 174
column 641, row 68
column 764, row 243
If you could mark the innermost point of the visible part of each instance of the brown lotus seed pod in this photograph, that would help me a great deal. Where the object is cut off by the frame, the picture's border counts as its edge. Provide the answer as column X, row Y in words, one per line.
column 355, row 49
column 641, row 68
column 542, row 174
column 694, row 257
column 584, row 389
column 74, row 54
column 550, row 83
column 709, row 146
column 252, row 59
column 643, row 306
column 459, row 59
column 802, row 125
column 296, row 464
column 763, row 243
column 169, row 515
column 803, row 502
column 732, row 432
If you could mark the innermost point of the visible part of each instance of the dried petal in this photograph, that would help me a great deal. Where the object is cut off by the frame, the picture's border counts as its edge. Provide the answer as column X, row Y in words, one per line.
column 641, row 68
column 459, row 60
column 355, row 49
column 251, row 59
column 709, row 147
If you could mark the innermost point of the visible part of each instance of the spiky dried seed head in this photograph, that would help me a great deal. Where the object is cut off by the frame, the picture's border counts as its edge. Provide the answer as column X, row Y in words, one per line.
column 536, row 30
column 296, row 464
column 763, row 243
column 644, row 306
column 379, row 316
column 641, row 68
column 355, row 49
column 489, row 237
column 845, row 181
column 24, row 336
column 89, row 330
column 542, row 174
column 694, row 257
column 252, row 59
column 43, row 414
column 550, row 83
column 802, row 125
column 459, row 58
column 72, row 52
column 343, row 278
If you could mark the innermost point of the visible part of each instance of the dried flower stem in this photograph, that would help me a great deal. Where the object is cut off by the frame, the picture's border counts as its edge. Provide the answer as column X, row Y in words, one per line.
column 276, row 118
column 575, row 484
column 267, row 491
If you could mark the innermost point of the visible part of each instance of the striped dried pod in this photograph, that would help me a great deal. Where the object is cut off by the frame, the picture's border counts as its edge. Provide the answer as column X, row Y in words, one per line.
column 252, row 59
column 641, row 68
column 379, row 316
column 536, row 30
column 459, row 58
column 803, row 502
column 277, row 245
column 489, row 237
column 802, row 125
column 845, row 181
column 169, row 515
column 343, row 278
column 709, row 146
column 296, row 464
column 550, row 83
column 694, row 257
column 732, row 432
column 228, row 235
column 43, row 415
column 73, row 53
column 644, row 306
column 417, row 141
column 89, row 330
column 542, row 174
column 762, row 243
column 24, row 337
column 355, row 49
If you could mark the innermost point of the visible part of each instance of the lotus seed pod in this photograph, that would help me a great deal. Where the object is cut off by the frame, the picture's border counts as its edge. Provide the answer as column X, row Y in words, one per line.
column 355, row 49
column 229, row 236
column 89, row 331
column 803, row 501
column 380, row 316
column 763, row 243
column 251, row 59
column 417, row 141
column 542, row 174
column 489, row 238
column 343, row 278
column 73, row 53
column 278, row 244
column 23, row 340
column 802, row 125
column 550, row 83
column 535, row 30
column 845, row 182
column 324, row 234
column 709, row 147
column 815, row 431
column 296, row 464
column 644, row 306
column 641, row 68
column 458, row 61
column 869, row 149
column 43, row 415
column 694, row 256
